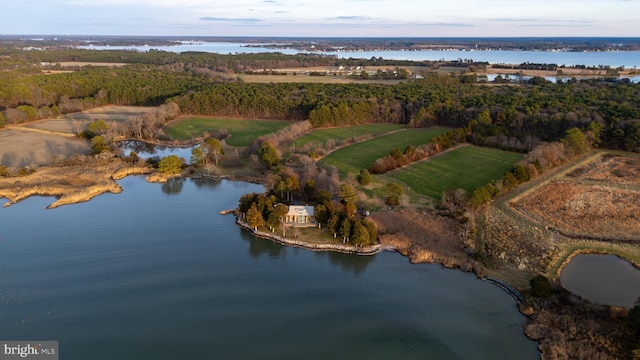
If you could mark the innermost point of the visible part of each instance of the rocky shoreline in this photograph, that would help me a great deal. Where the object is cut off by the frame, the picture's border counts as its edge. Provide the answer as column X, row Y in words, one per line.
column 345, row 249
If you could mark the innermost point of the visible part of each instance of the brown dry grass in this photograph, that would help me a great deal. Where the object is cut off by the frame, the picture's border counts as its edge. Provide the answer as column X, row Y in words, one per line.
column 568, row 328
column 617, row 169
column 587, row 211
column 110, row 112
column 71, row 183
column 42, row 142
column 19, row 147
column 423, row 236
column 60, row 125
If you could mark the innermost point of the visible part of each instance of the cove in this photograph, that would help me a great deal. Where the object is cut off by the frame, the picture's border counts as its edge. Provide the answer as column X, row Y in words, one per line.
column 156, row 273
column 603, row 279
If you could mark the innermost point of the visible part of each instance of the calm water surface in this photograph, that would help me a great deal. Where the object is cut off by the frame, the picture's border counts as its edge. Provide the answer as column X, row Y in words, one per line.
column 156, row 273
column 147, row 150
column 604, row 279
column 614, row 59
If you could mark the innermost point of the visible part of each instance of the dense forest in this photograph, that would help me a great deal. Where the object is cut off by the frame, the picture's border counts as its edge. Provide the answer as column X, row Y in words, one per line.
column 514, row 116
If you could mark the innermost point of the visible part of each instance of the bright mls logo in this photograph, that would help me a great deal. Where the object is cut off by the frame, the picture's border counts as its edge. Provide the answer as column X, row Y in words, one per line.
column 10, row 350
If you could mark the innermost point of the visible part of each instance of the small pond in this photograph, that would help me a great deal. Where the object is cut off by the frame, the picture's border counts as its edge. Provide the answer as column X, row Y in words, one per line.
column 603, row 279
column 147, row 150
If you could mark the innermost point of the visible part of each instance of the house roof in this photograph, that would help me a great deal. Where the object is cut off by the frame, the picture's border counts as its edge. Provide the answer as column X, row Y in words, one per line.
column 300, row 210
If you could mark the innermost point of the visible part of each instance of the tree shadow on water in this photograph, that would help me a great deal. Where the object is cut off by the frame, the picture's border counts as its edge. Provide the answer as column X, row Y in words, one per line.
column 356, row 264
column 259, row 246
column 349, row 263
column 173, row 186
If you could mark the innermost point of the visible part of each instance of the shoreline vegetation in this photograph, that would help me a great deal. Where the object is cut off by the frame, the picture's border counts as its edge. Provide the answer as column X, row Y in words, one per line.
column 341, row 248
column 70, row 183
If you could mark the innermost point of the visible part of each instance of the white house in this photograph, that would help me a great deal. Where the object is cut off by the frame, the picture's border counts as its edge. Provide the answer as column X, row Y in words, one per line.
column 300, row 215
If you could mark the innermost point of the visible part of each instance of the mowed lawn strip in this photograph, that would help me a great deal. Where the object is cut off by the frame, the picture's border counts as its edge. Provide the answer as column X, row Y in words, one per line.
column 243, row 132
column 467, row 168
column 353, row 158
column 320, row 136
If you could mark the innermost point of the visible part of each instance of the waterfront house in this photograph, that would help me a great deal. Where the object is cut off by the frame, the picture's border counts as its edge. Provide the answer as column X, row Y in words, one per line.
column 300, row 215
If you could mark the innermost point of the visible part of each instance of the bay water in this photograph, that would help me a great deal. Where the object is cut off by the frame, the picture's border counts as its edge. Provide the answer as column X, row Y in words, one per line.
column 614, row 59
column 156, row 273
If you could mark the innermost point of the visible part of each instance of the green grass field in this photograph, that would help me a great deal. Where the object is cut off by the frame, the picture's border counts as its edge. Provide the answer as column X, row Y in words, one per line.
column 467, row 168
column 353, row 158
column 243, row 132
column 320, row 136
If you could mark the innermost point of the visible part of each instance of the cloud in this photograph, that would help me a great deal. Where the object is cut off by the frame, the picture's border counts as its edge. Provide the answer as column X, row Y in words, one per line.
column 545, row 21
column 211, row 18
column 353, row 17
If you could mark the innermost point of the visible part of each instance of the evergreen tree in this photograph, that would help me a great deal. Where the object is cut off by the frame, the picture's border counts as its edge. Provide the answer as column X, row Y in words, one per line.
column 170, row 165
column 371, row 229
column 254, row 217
column 310, row 189
column 345, row 229
column 364, row 178
column 333, row 223
column 99, row 145
column 360, row 235
column 540, row 286
column 575, row 139
column 395, row 191
column 321, row 214
column 268, row 155
column 273, row 221
column 346, row 194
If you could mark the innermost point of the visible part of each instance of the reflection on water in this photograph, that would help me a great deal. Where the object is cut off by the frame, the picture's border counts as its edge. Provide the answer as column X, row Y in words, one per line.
column 205, row 183
column 259, row 247
column 168, row 277
column 173, row 186
column 147, row 150
column 347, row 263
column 604, row 279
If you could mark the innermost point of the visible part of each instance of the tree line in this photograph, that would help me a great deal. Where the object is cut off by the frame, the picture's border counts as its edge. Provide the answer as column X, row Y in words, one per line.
column 516, row 116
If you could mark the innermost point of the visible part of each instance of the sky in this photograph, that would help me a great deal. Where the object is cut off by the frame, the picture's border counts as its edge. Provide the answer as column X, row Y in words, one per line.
column 326, row 18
